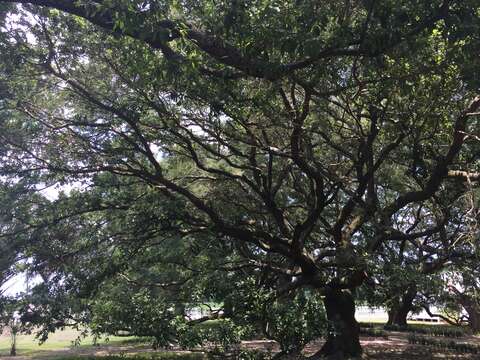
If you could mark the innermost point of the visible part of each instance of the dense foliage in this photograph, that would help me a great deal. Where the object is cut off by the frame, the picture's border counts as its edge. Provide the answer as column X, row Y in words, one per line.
column 201, row 147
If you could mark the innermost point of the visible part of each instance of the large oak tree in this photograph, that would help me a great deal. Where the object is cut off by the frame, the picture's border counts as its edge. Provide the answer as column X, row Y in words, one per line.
column 308, row 136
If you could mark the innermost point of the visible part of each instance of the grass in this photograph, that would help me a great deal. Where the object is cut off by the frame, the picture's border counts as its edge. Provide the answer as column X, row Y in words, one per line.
column 158, row 356
column 60, row 340
column 27, row 345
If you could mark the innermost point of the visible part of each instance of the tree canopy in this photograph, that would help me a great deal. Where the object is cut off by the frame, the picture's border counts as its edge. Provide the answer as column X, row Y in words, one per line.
column 303, row 140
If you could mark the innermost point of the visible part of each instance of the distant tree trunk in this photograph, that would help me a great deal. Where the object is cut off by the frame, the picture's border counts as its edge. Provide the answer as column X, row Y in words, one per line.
column 392, row 313
column 474, row 321
column 471, row 306
column 473, row 310
column 13, row 348
column 180, row 309
column 343, row 336
column 398, row 316
column 398, row 312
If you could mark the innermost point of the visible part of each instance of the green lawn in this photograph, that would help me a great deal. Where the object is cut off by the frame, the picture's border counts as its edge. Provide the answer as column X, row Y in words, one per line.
column 158, row 356
column 27, row 345
column 60, row 340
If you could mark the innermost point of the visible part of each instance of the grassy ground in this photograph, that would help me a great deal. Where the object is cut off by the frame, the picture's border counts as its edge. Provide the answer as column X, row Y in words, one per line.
column 59, row 347
column 60, row 340
column 160, row 356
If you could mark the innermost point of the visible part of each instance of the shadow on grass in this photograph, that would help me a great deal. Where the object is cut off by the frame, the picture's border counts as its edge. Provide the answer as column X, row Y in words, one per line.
column 67, row 355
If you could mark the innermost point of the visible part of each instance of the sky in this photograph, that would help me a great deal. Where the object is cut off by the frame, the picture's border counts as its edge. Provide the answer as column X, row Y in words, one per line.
column 18, row 284
column 15, row 285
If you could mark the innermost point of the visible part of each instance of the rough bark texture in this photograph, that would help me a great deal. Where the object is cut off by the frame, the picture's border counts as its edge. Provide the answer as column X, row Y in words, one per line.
column 392, row 314
column 13, row 348
column 343, row 337
column 471, row 306
column 398, row 312
column 473, row 311
column 398, row 316
column 474, row 321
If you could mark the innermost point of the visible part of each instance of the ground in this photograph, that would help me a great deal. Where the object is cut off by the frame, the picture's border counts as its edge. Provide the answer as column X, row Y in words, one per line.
column 396, row 347
column 60, row 342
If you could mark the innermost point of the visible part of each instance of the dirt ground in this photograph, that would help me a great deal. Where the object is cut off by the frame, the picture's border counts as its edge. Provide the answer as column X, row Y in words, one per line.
column 396, row 347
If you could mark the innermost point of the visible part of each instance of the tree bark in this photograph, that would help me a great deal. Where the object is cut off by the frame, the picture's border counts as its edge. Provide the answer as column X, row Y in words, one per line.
column 473, row 311
column 343, row 335
column 472, row 307
column 392, row 313
column 13, row 348
column 474, row 321
column 398, row 312
column 398, row 316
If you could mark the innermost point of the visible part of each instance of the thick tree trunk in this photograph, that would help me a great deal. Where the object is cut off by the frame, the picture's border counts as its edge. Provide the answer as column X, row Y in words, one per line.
column 343, row 335
column 392, row 314
column 472, row 307
column 398, row 316
column 474, row 322
column 398, row 312
column 473, row 311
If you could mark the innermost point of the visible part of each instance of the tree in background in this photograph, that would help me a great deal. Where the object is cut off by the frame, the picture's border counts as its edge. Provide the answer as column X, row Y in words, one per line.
column 408, row 270
column 464, row 291
column 456, row 289
column 457, row 292
column 157, row 296
column 10, row 321
column 304, row 136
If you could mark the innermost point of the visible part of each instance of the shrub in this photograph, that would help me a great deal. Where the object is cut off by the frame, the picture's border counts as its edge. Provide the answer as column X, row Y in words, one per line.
column 366, row 325
column 240, row 355
column 444, row 344
column 372, row 332
column 428, row 330
column 149, row 356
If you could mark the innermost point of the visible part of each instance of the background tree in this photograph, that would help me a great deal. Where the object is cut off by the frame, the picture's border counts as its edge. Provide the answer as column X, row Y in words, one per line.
column 456, row 294
column 154, row 293
column 409, row 269
column 455, row 297
column 10, row 321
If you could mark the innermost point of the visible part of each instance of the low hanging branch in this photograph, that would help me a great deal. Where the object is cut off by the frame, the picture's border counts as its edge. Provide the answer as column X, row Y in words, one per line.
column 471, row 176
column 455, row 322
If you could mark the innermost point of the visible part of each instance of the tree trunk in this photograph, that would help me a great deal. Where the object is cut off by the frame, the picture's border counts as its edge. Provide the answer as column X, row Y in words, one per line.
column 397, row 314
column 343, row 333
column 473, row 311
column 474, row 322
column 399, row 317
column 13, row 348
column 472, row 307
column 392, row 313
